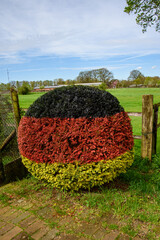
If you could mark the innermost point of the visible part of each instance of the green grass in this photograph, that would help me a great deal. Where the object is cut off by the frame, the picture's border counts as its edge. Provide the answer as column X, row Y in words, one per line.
column 130, row 204
column 4, row 198
column 131, row 98
column 26, row 100
column 10, row 153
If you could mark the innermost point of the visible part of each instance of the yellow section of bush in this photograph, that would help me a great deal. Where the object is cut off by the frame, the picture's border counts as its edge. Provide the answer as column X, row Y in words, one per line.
column 74, row 176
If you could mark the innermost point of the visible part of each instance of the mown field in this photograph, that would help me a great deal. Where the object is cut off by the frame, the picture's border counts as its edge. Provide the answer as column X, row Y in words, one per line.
column 130, row 99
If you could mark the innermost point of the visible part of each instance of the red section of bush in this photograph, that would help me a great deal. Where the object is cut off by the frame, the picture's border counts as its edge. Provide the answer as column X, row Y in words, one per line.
column 69, row 140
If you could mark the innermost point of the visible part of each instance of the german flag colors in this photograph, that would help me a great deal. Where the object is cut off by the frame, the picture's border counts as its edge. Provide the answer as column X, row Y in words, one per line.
column 76, row 137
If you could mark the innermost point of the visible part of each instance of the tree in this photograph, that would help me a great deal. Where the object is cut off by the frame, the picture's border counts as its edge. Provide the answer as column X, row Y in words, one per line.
column 3, row 86
column 70, row 82
column 104, row 75
column 84, row 77
column 102, row 86
column 58, row 81
column 134, row 74
column 23, row 90
column 96, row 75
column 152, row 81
column 124, row 84
column 33, row 84
column 147, row 11
column 139, row 80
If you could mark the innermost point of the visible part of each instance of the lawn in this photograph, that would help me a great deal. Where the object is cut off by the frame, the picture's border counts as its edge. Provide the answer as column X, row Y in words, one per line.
column 130, row 98
column 26, row 100
column 128, row 207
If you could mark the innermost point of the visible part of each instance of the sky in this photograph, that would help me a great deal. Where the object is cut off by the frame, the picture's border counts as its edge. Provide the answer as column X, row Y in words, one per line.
column 49, row 39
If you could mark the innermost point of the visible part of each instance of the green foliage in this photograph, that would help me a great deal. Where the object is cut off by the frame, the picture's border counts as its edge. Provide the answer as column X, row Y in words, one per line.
column 129, row 230
column 113, row 226
column 144, row 176
column 96, row 75
column 4, row 86
column 59, row 81
column 22, row 112
column 73, row 176
column 134, row 74
column 69, row 173
column 102, row 86
column 152, row 81
column 140, row 80
column 4, row 198
column 111, row 206
column 23, row 90
column 148, row 12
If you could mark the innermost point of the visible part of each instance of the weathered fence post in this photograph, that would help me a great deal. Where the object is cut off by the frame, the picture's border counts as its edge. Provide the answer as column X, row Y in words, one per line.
column 16, row 108
column 147, row 126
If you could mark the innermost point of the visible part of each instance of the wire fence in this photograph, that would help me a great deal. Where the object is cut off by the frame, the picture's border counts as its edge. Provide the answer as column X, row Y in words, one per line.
column 7, row 128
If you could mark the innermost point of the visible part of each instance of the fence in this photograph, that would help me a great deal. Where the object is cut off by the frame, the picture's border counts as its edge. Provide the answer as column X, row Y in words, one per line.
column 10, row 162
column 149, row 126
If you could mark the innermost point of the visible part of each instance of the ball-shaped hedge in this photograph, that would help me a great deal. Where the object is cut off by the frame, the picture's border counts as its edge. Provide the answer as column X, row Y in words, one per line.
column 76, row 137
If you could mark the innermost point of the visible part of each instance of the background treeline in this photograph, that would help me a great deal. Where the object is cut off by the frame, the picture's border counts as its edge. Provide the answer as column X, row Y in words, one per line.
column 103, row 75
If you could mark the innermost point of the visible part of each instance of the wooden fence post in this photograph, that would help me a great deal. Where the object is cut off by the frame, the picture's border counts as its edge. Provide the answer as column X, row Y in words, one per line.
column 16, row 108
column 147, row 126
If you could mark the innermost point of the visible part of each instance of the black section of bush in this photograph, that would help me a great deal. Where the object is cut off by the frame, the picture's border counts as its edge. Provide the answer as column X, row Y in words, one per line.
column 75, row 102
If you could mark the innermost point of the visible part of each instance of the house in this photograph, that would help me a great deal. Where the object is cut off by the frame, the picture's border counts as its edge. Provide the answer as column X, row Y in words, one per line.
column 49, row 88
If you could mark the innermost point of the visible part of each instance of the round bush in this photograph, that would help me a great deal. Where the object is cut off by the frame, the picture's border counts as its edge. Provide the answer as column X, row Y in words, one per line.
column 76, row 137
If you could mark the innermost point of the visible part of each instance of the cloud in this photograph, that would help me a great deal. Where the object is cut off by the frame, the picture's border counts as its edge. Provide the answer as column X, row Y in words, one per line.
column 86, row 68
column 31, row 70
column 138, row 68
column 109, row 67
column 69, row 28
column 153, row 67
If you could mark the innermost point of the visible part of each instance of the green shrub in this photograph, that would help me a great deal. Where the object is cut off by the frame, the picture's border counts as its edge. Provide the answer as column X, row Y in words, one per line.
column 102, row 86
column 24, row 90
column 74, row 176
column 76, row 137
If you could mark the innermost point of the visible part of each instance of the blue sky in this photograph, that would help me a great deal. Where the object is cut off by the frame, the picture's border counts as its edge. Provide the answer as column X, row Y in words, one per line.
column 49, row 39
